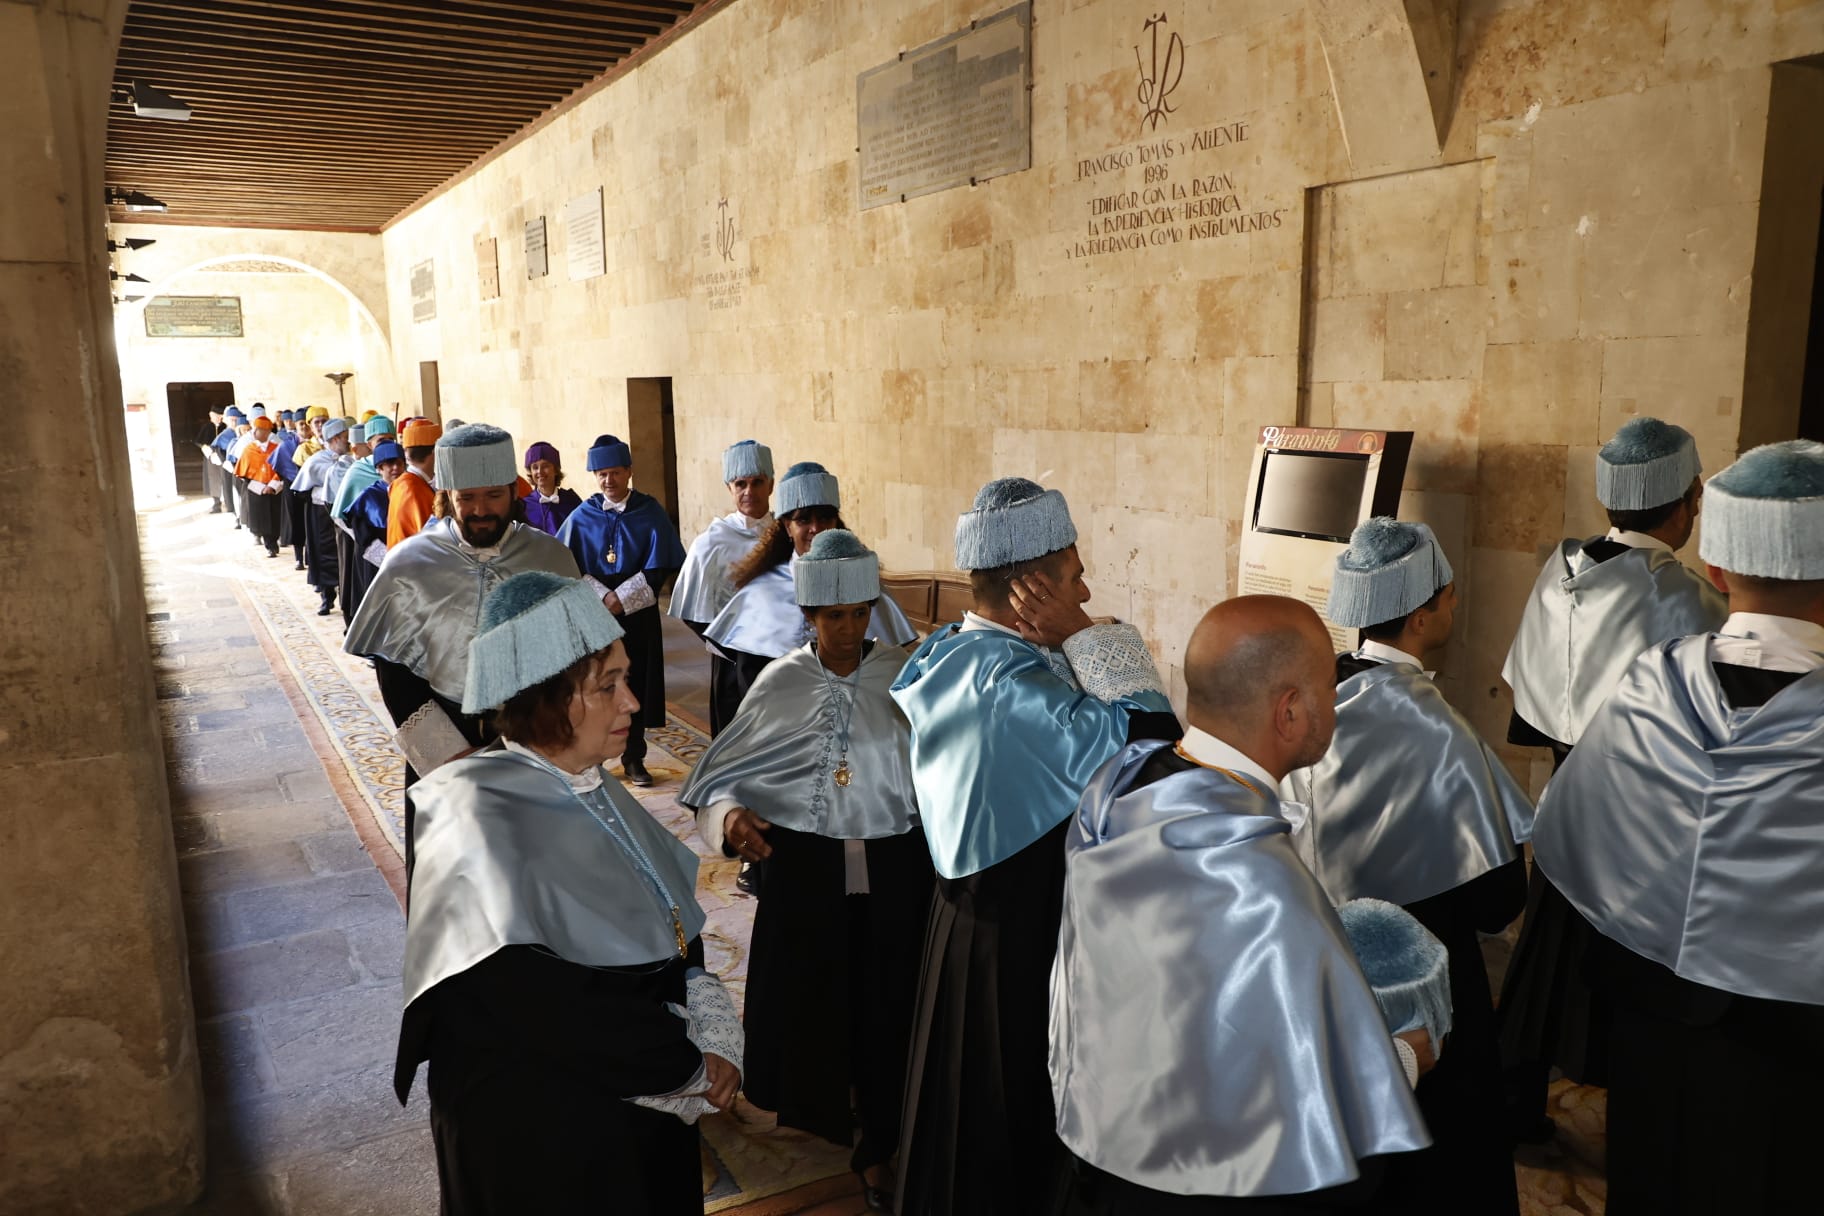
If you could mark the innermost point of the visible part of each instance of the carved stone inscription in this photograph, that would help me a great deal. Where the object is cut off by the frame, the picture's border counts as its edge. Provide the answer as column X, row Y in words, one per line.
column 538, row 264
column 950, row 113
column 193, row 317
column 424, row 291
column 1166, row 191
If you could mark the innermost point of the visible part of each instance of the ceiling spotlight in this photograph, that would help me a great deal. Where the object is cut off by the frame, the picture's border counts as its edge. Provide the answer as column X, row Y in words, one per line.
column 132, row 242
column 133, row 200
column 149, row 102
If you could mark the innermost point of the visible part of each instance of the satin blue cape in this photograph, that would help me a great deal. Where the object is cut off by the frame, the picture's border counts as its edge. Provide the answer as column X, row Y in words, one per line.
column 1692, row 832
column 1586, row 621
column 1409, row 802
column 360, row 476
column 641, row 537
column 507, row 854
column 1001, row 745
column 425, row 603
column 764, row 618
column 703, row 588
column 1211, row 1030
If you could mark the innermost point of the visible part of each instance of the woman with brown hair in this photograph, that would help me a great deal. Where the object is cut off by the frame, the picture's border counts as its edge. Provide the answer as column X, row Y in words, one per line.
column 554, row 974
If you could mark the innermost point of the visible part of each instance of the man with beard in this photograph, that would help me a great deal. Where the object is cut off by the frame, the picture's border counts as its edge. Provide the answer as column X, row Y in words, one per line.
column 320, row 536
column 418, row 617
column 628, row 548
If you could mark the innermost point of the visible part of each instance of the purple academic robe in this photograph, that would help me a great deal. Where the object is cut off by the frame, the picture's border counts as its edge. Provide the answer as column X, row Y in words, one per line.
column 549, row 517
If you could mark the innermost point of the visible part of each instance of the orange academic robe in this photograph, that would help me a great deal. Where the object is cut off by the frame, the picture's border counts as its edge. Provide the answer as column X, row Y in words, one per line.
column 408, row 506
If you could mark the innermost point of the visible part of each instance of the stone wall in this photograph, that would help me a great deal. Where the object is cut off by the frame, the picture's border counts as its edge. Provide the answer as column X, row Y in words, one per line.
column 1505, row 225
column 100, row 1097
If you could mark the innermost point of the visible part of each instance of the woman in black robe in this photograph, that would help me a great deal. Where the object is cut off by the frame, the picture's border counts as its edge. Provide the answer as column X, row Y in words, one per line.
column 553, row 968
column 813, row 775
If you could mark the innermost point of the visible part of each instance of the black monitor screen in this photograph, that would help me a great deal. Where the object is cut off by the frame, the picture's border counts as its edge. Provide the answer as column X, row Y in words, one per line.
column 1314, row 494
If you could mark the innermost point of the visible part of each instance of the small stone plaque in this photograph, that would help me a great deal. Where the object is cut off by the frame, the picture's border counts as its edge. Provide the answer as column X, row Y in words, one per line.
column 487, row 267
column 424, row 291
column 952, row 112
column 584, row 251
column 538, row 263
column 193, row 317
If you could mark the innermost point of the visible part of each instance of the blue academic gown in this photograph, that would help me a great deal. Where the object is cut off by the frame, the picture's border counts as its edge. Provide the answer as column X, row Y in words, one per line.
column 612, row 547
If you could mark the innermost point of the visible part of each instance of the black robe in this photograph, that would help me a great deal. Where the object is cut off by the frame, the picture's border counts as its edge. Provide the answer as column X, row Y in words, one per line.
column 294, row 521
column 831, row 984
column 978, row 1076
column 347, row 558
column 530, row 1059
column 1712, row 1095
column 360, row 573
column 320, row 564
column 261, row 515
column 731, row 674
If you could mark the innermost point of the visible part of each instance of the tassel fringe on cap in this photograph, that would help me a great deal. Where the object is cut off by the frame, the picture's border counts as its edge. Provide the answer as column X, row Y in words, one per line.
column 807, row 484
column 747, row 459
column 1389, row 569
column 1407, row 967
column 1014, row 520
column 1764, row 514
column 533, row 626
column 838, row 569
column 474, row 456
column 1648, row 464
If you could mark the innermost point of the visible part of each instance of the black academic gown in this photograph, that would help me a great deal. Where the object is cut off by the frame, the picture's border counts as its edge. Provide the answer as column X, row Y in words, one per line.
column 322, row 569
column 1548, row 1015
column 731, row 674
column 361, row 521
column 831, row 985
column 530, row 1059
column 1712, row 1095
column 986, row 964
column 1470, row 1166
column 404, row 692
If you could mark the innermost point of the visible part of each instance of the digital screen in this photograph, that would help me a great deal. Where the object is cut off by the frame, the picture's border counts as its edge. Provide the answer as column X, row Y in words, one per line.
column 1314, row 494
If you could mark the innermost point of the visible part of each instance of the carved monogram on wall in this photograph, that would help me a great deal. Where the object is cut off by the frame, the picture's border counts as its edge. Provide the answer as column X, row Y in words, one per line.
column 1160, row 79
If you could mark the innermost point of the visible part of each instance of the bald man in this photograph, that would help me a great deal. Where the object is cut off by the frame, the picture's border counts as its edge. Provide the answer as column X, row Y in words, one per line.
column 1215, row 1045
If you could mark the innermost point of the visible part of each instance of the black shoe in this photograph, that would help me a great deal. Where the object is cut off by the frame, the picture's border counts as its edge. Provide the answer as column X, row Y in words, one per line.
column 216, row 509
column 636, row 773
column 272, row 553
column 748, row 880
column 325, row 607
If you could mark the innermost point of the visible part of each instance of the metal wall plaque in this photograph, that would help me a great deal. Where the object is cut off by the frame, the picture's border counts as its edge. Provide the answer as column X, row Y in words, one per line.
column 950, row 113
column 584, row 251
column 538, row 263
column 424, row 291
column 487, row 267
column 194, row 317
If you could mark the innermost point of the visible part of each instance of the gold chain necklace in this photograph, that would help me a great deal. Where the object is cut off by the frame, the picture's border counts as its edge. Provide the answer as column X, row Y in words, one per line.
column 1217, row 768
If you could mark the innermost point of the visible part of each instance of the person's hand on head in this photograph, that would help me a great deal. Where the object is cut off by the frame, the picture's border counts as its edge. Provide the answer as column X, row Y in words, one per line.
column 1044, row 616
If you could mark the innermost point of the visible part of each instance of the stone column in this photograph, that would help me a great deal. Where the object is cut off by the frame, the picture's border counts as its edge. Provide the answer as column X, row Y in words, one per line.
column 100, row 1095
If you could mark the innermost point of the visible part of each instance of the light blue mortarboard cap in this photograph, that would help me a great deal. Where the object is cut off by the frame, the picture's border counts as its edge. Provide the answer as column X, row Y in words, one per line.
column 1013, row 520
column 473, row 456
column 837, row 569
column 334, row 427
column 747, row 459
column 377, row 426
column 807, row 484
column 1407, row 967
column 1389, row 569
column 1647, row 464
column 532, row 627
column 1764, row 514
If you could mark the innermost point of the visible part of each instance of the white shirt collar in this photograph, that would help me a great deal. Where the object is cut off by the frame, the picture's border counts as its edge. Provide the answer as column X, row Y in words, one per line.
column 1637, row 540
column 609, row 504
column 410, row 468
column 1785, row 643
column 589, row 779
column 1206, row 748
column 972, row 623
column 1391, row 654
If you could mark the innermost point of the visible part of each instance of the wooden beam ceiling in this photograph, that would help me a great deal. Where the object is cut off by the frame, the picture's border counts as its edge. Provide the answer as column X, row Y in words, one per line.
column 343, row 113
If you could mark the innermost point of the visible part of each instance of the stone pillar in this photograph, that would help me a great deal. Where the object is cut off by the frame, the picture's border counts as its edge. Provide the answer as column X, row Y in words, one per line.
column 100, row 1095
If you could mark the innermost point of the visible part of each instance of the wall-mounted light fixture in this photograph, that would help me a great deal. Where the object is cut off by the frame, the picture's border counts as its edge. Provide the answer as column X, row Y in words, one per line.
column 134, row 200
column 126, row 278
column 132, row 242
column 340, row 378
column 148, row 102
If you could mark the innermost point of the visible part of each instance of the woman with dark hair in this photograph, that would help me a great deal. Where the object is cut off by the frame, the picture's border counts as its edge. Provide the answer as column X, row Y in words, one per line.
column 548, row 502
column 554, row 974
column 814, row 774
column 763, row 622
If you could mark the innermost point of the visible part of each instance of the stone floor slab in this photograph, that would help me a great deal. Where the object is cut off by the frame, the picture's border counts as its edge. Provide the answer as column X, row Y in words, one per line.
column 343, row 1032
column 328, row 902
column 385, row 1177
column 229, row 981
column 240, row 869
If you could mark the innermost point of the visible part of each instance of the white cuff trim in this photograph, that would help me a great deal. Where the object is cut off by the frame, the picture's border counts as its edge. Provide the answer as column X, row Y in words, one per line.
column 1112, row 661
column 428, row 739
column 601, row 589
column 636, row 594
column 714, row 1027
column 376, row 552
column 1409, row 1061
column 712, row 822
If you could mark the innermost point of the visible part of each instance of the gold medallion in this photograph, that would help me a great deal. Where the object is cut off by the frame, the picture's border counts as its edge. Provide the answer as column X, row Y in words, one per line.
column 843, row 776
column 609, row 556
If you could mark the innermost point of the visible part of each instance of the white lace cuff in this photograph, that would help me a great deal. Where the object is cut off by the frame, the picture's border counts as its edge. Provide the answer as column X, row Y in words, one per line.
column 714, row 1026
column 1112, row 661
column 600, row 588
column 428, row 739
column 1409, row 1061
column 712, row 823
column 636, row 594
column 376, row 552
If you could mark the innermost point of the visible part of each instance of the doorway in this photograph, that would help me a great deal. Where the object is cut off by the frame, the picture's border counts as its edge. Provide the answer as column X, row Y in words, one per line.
column 652, row 434
column 187, row 406
column 429, row 402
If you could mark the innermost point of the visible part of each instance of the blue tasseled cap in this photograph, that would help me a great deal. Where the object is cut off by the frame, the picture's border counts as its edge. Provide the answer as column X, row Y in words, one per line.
column 608, row 452
column 334, row 427
column 1647, row 464
column 1389, row 569
column 837, row 569
column 807, row 484
column 234, row 412
column 533, row 626
column 1407, row 967
column 377, row 426
column 747, row 459
column 387, row 450
column 1013, row 520
column 1764, row 514
column 474, row 456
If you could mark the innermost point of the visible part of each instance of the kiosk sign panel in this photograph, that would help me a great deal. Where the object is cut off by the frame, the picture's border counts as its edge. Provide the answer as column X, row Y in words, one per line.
column 1308, row 488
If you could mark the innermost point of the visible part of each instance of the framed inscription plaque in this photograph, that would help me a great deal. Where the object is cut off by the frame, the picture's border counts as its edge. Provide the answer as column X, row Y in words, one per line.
column 193, row 317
